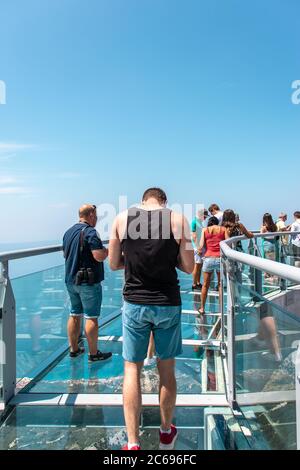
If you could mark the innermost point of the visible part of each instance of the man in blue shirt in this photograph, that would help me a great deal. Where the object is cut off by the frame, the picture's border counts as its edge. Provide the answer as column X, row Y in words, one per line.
column 84, row 254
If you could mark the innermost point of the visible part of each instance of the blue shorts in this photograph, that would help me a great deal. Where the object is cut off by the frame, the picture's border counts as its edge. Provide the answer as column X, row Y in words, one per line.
column 85, row 300
column 211, row 264
column 140, row 320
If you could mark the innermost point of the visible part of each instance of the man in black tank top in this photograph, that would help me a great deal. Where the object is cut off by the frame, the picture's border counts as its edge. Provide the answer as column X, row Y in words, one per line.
column 150, row 242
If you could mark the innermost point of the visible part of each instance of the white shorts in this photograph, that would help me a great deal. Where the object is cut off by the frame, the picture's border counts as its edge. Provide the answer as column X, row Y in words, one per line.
column 198, row 259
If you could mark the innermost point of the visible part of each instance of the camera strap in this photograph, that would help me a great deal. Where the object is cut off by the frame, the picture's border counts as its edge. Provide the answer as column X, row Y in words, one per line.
column 81, row 248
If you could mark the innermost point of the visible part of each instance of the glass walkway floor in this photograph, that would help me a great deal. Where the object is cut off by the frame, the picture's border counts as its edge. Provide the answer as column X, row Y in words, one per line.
column 65, row 403
column 76, row 405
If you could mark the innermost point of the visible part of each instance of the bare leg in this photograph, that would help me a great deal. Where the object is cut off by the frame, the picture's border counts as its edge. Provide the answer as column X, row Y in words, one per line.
column 151, row 347
column 91, row 332
column 132, row 399
column 268, row 327
column 205, row 287
column 167, row 392
column 200, row 271
column 74, row 325
column 197, row 274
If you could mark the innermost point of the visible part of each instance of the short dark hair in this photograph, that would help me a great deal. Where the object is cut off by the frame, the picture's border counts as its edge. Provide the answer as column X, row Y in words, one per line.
column 213, row 221
column 297, row 214
column 214, row 207
column 157, row 193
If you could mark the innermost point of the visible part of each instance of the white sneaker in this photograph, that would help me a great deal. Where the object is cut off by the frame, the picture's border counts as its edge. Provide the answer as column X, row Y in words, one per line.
column 277, row 358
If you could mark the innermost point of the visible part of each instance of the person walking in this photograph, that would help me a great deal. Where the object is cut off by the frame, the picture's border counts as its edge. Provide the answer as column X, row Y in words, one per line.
column 235, row 228
column 270, row 244
column 215, row 211
column 210, row 240
column 84, row 255
column 149, row 242
column 295, row 227
column 197, row 226
column 282, row 227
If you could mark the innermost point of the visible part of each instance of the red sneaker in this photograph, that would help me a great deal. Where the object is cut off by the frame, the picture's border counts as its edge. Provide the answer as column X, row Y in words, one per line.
column 132, row 448
column 167, row 441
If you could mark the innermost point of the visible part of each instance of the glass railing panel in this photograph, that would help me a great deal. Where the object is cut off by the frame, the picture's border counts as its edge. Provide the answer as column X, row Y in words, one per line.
column 266, row 339
column 267, row 335
column 41, row 316
column 24, row 266
column 93, row 428
column 278, row 249
column 42, row 312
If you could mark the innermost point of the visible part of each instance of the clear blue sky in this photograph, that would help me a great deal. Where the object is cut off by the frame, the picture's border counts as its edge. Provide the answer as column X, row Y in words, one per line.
column 108, row 97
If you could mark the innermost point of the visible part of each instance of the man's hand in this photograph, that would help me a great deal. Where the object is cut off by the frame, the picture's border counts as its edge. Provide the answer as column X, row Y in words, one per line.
column 100, row 255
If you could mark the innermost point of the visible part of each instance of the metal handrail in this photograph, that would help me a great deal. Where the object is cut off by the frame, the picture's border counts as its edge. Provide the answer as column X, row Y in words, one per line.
column 290, row 273
column 18, row 254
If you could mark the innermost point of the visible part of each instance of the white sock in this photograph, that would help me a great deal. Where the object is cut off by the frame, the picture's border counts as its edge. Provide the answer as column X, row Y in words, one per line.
column 278, row 357
column 166, row 432
column 130, row 446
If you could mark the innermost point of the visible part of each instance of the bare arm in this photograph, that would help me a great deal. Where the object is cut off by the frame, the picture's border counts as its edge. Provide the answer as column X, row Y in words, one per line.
column 100, row 255
column 186, row 252
column 202, row 241
column 116, row 258
column 246, row 232
column 227, row 235
column 194, row 237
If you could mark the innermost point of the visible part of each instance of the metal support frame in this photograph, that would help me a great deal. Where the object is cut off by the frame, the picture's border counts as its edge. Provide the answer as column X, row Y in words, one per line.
column 231, row 334
column 297, row 369
column 283, row 257
column 8, row 320
column 258, row 278
column 222, row 305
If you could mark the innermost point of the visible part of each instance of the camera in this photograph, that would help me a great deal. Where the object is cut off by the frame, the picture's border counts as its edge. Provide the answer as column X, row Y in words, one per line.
column 85, row 275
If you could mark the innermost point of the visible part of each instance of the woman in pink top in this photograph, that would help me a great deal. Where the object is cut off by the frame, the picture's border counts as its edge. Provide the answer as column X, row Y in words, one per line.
column 211, row 238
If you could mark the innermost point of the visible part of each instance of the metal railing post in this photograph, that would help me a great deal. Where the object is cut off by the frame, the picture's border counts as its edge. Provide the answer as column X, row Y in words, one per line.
column 297, row 370
column 222, row 303
column 8, row 320
column 258, row 277
column 231, row 333
column 283, row 282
